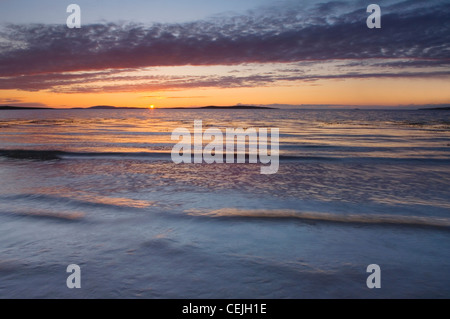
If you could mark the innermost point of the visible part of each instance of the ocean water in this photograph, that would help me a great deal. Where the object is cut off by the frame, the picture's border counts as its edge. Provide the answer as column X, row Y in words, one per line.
column 97, row 188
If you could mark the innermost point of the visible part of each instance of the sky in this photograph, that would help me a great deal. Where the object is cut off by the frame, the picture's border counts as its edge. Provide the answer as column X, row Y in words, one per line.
column 178, row 53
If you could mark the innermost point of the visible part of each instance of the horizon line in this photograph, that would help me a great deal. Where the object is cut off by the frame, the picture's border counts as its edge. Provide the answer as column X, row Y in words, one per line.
column 239, row 106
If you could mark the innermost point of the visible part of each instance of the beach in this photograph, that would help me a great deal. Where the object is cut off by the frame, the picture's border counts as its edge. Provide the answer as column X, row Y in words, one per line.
column 354, row 188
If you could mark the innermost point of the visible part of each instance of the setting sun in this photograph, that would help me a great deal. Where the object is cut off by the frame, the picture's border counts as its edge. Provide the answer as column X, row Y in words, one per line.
column 152, row 107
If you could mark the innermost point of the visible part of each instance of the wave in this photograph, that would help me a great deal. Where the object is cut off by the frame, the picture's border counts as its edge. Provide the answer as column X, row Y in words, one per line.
column 325, row 217
column 66, row 216
column 85, row 199
column 47, row 155
column 31, row 154
column 58, row 155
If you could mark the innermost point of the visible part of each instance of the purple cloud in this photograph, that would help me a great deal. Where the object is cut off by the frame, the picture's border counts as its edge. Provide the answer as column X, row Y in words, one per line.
column 170, row 83
column 39, row 56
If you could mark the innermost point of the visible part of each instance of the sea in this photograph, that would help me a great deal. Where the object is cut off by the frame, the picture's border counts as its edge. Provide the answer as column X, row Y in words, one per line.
column 99, row 189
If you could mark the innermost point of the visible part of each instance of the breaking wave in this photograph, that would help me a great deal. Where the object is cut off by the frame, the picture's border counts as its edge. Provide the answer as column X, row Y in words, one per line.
column 48, row 155
column 60, row 216
column 325, row 217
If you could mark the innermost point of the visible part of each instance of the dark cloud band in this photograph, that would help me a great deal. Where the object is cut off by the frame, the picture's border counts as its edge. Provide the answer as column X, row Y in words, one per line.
column 420, row 33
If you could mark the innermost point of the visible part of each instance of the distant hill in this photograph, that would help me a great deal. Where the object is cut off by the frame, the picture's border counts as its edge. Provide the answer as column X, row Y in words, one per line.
column 109, row 107
column 102, row 107
column 9, row 107
column 235, row 107
column 445, row 108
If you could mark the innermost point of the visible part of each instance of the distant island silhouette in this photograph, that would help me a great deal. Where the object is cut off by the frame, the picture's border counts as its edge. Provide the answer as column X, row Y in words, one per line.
column 9, row 107
column 445, row 108
column 110, row 107
column 234, row 107
column 209, row 107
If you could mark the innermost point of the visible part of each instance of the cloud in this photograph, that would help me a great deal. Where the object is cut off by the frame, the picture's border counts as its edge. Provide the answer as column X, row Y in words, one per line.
column 37, row 82
column 175, row 83
column 19, row 102
column 37, row 56
column 9, row 100
column 25, row 104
